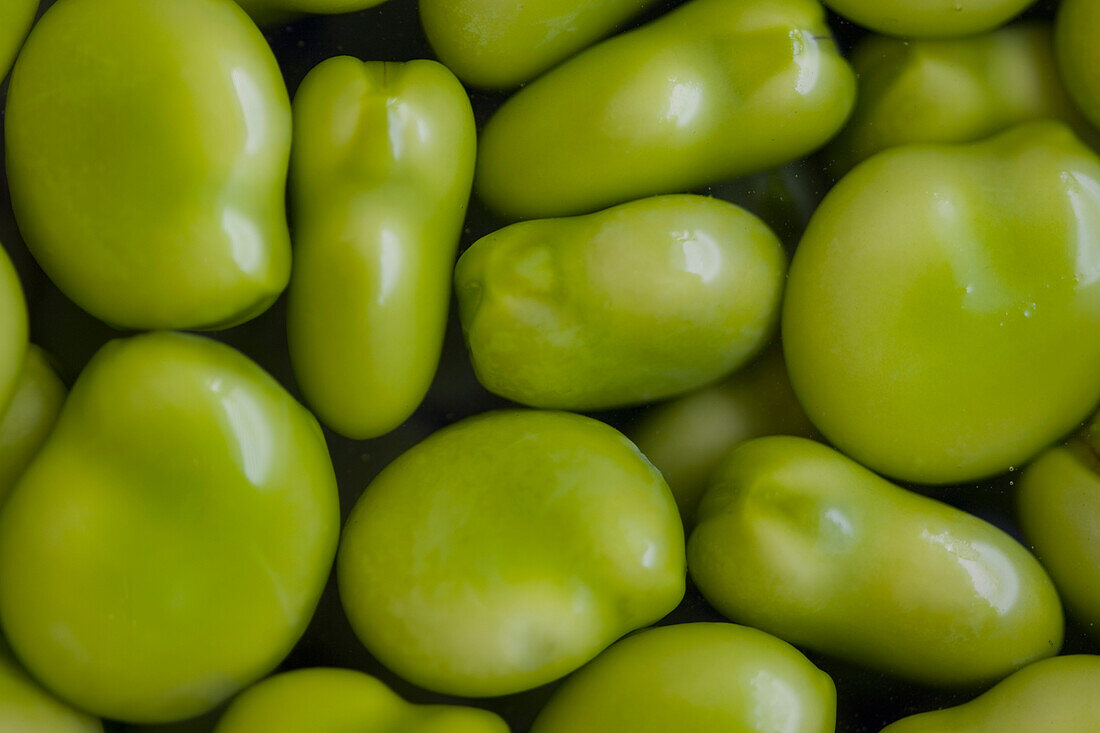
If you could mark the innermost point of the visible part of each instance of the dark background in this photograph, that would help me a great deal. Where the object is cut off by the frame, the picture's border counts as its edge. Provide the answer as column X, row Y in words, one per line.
column 391, row 32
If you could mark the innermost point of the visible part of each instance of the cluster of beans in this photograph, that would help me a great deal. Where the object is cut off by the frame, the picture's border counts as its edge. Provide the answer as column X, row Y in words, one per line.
column 607, row 365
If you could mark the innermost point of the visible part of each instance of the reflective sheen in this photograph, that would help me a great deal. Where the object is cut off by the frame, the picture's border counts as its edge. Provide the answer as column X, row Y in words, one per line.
column 168, row 544
column 798, row 540
column 807, row 54
column 507, row 550
column 684, row 102
column 702, row 255
column 992, row 575
column 248, row 426
column 1084, row 196
column 778, row 707
column 713, row 90
column 380, row 178
column 245, row 241
column 702, row 677
column 629, row 305
column 391, row 265
column 253, row 106
column 939, row 329
column 153, row 199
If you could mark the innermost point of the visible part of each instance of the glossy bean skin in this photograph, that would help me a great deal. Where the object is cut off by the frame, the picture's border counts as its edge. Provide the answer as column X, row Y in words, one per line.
column 938, row 329
column 798, row 540
column 507, row 550
column 500, row 44
column 639, row 302
column 1078, row 57
column 952, row 90
column 1058, row 505
column 326, row 700
column 381, row 174
column 16, row 17
column 168, row 544
column 1052, row 695
column 700, row 677
column 652, row 111
column 687, row 438
column 29, row 418
column 929, row 18
column 26, row 708
column 13, row 329
column 152, row 197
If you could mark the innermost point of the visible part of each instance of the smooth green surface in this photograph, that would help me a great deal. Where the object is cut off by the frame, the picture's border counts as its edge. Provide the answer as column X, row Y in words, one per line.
column 503, row 43
column 147, row 147
column 695, row 678
column 507, row 550
column 951, row 91
column 939, row 328
column 1056, row 695
column 381, row 173
column 16, row 17
column 325, row 700
column 713, row 90
column 270, row 12
column 929, row 18
column 798, row 540
column 1076, row 31
column 629, row 305
column 27, row 708
column 169, row 543
column 29, row 418
column 1059, row 512
column 13, row 329
column 687, row 438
